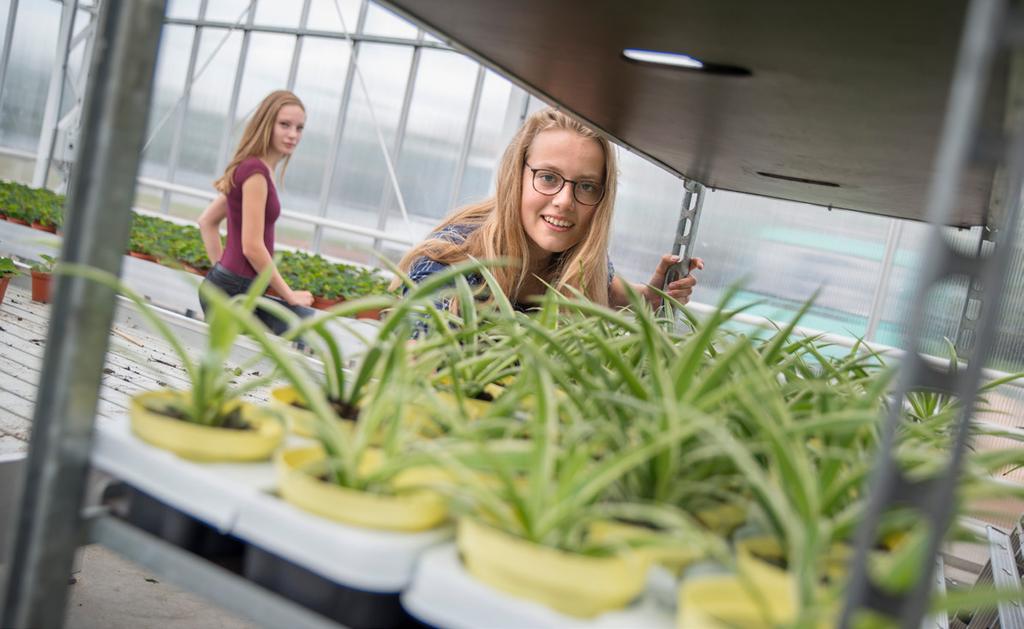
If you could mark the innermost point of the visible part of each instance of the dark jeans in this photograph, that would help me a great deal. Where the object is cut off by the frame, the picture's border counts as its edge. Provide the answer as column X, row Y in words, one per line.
column 233, row 284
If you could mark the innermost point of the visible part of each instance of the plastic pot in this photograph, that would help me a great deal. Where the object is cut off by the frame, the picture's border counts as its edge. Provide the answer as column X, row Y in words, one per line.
column 574, row 584
column 205, row 443
column 299, row 483
column 41, row 283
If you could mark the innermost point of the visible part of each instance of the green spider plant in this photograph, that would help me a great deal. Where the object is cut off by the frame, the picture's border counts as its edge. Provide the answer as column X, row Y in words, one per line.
column 212, row 396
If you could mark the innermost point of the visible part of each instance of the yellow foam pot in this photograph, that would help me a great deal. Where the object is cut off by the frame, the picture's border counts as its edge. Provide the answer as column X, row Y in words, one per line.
column 204, row 443
column 672, row 553
column 578, row 585
column 413, row 510
column 764, row 596
column 301, row 421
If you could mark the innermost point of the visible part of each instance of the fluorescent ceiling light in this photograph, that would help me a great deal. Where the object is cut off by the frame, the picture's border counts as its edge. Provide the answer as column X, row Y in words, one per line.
column 663, row 58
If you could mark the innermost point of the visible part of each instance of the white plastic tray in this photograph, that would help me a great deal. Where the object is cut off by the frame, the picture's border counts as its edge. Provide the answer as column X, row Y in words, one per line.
column 237, row 498
column 443, row 594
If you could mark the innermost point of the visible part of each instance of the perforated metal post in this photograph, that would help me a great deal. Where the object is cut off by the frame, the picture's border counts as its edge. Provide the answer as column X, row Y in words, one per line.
column 968, row 325
column 48, row 526
column 686, row 231
column 889, row 486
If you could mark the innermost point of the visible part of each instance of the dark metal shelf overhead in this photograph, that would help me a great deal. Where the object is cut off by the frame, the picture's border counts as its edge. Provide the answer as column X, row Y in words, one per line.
column 842, row 106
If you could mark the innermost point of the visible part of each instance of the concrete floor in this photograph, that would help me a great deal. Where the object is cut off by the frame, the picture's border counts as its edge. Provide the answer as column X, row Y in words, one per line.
column 111, row 593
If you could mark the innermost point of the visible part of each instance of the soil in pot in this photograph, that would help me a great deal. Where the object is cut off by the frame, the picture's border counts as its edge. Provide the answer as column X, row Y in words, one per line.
column 252, row 437
column 232, row 421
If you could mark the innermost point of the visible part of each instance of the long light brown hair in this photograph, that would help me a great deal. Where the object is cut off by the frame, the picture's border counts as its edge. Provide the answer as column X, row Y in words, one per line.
column 256, row 139
column 500, row 232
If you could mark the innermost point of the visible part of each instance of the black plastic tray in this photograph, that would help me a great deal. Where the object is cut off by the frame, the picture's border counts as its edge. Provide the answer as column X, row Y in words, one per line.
column 184, row 531
column 354, row 608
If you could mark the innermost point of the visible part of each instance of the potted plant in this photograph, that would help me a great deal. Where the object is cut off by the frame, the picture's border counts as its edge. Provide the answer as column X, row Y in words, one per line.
column 209, row 421
column 46, row 214
column 5, row 193
column 528, row 531
column 7, row 270
column 364, row 456
column 188, row 250
column 18, row 205
column 42, row 278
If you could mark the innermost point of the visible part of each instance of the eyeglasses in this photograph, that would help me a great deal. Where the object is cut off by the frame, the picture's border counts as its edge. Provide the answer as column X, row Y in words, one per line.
column 550, row 183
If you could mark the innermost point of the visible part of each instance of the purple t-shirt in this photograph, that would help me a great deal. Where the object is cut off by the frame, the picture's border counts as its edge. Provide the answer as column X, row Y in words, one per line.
column 232, row 258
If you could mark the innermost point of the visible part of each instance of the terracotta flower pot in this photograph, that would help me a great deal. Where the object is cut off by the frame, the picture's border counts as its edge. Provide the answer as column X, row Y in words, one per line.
column 17, row 221
column 46, row 228
column 41, row 286
column 369, row 314
column 4, row 281
column 142, row 256
column 323, row 303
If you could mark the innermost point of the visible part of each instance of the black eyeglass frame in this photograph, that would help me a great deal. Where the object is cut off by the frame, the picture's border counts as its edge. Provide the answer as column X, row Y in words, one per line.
column 533, row 181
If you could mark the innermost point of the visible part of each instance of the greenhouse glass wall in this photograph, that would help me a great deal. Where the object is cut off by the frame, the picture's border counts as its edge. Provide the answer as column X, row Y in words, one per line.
column 373, row 82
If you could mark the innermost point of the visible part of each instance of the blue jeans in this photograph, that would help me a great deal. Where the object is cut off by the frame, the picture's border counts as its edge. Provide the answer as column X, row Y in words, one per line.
column 234, row 284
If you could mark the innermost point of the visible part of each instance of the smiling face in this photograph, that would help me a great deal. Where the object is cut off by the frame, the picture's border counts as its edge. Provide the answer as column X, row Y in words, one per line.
column 559, row 222
column 288, row 127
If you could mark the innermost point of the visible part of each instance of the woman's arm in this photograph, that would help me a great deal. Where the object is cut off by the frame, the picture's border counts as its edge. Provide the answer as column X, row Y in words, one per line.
column 254, row 203
column 679, row 290
column 209, row 227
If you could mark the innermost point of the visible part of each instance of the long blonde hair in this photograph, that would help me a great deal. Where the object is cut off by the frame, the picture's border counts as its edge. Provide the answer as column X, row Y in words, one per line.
column 256, row 139
column 500, row 234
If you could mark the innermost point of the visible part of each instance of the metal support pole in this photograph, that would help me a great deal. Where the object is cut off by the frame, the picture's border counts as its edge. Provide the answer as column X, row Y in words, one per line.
column 229, row 591
column 967, row 327
column 892, row 242
column 686, row 231
column 889, row 486
column 55, row 95
column 5, row 55
column 98, row 220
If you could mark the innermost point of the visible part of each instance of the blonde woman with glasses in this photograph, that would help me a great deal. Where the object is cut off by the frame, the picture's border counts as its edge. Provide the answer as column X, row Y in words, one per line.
column 552, row 212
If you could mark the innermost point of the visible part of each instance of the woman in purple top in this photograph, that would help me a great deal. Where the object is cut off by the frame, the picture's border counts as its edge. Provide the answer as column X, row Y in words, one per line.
column 248, row 200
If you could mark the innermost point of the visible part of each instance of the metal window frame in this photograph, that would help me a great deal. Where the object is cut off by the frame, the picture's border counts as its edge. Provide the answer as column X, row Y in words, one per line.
column 387, row 195
column 467, row 136
column 243, row 54
column 331, row 164
column 5, row 55
column 55, row 94
column 179, row 117
column 297, row 49
column 877, row 311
